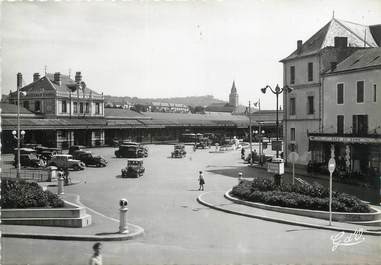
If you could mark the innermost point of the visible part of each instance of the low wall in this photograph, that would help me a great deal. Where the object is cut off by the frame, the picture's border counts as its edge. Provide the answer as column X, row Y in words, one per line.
column 336, row 216
column 71, row 215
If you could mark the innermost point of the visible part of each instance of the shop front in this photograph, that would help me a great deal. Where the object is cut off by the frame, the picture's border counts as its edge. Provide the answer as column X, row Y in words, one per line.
column 357, row 158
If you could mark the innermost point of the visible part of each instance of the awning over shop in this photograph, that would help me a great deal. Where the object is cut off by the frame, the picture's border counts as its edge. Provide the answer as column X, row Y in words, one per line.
column 345, row 139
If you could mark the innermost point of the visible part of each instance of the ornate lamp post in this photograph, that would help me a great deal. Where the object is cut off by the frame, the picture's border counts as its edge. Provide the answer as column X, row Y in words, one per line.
column 277, row 92
column 260, row 132
column 21, row 134
column 277, row 165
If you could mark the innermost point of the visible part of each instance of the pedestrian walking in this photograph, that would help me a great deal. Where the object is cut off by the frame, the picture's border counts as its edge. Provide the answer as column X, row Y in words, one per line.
column 96, row 258
column 201, row 181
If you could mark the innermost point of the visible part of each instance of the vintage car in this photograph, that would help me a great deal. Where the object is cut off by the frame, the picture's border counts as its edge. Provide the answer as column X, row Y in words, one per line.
column 28, row 158
column 74, row 148
column 134, row 168
column 142, row 149
column 46, row 153
column 201, row 145
column 88, row 159
column 178, row 151
column 129, row 151
column 66, row 162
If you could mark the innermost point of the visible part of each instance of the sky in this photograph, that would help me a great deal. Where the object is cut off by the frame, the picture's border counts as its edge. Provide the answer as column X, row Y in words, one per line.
column 166, row 48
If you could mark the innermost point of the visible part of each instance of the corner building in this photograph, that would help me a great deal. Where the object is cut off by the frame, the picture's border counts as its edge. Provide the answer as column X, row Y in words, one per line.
column 303, row 71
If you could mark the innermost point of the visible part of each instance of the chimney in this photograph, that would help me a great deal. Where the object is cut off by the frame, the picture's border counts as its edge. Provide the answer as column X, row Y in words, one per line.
column 36, row 76
column 78, row 77
column 333, row 65
column 19, row 80
column 57, row 78
column 299, row 44
column 341, row 42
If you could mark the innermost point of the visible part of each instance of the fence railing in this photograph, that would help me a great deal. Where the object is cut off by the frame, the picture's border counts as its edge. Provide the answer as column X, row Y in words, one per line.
column 38, row 175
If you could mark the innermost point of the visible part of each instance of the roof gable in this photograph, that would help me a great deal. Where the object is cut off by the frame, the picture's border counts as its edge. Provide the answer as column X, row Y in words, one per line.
column 358, row 36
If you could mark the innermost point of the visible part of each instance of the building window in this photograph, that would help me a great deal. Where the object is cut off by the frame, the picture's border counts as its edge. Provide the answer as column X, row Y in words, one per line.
column 292, row 106
column 310, row 105
column 310, row 72
column 292, row 75
column 97, row 108
column 360, row 91
column 37, row 106
column 75, row 107
column 81, row 107
column 374, row 93
column 26, row 104
column 64, row 106
column 340, row 93
column 292, row 134
column 360, row 125
column 87, row 109
column 340, row 124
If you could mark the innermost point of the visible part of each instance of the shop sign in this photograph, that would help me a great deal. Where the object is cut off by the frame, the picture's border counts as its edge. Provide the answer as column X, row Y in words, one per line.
column 275, row 167
column 276, row 145
column 345, row 139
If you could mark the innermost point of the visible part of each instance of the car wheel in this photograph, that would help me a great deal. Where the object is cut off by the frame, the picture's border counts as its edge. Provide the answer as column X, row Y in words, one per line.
column 76, row 167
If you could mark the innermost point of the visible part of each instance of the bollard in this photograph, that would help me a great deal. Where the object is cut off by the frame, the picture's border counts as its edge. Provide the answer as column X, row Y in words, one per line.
column 60, row 185
column 239, row 177
column 123, row 228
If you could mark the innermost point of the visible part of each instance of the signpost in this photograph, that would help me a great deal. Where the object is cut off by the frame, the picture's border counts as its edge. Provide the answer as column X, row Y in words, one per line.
column 331, row 168
column 293, row 157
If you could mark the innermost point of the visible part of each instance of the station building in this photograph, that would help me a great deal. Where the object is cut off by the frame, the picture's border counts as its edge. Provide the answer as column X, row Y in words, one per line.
column 56, row 111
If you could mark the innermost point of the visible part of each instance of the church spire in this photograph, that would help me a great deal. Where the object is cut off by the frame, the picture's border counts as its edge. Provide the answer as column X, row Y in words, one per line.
column 234, row 89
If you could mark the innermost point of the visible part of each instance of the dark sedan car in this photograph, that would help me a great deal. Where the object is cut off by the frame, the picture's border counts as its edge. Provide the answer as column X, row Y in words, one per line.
column 88, row 159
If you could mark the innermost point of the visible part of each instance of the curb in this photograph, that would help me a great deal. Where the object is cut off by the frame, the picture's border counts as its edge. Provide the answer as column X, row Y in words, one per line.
column 116, row 236
column 283, row 221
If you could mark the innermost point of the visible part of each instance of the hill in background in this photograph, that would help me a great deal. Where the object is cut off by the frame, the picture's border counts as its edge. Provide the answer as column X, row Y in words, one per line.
column 189, row 101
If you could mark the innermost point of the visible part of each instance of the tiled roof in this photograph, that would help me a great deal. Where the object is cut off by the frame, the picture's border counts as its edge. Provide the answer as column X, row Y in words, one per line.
column 122, row 113
column 360, row 59
column 376, row 33
column 220, row 107
column 7, row 108
column 47, row 83
column 356, row 34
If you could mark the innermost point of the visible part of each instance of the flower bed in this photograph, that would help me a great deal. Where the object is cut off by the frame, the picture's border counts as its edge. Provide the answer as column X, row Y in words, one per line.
column 303, row 196
column 22, row 194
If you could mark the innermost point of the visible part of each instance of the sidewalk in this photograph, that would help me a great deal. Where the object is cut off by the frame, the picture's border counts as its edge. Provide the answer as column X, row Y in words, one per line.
column 103, row 228
column 216, row 200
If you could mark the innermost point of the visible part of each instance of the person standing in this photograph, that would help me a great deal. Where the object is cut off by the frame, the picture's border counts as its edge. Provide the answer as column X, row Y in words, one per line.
column 201, row 181
column 96, row 259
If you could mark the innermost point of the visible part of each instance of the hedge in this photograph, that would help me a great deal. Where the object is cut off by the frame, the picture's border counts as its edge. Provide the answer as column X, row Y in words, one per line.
column 22, row 194
column 298, row 195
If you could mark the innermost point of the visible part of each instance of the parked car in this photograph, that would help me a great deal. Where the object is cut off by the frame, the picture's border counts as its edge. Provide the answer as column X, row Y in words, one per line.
column 88, row 159
column 201, row 145
column 28, row 158
column 46, row 153
column 178, row 151
column 75, row 148
column 66, row 161
column 134, row 168
column 129, row 151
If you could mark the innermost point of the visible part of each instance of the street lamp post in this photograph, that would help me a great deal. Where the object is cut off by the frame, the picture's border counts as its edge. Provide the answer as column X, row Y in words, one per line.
column 18, row 135
column 278, row 163
column 250, row 137
column 277, row 92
